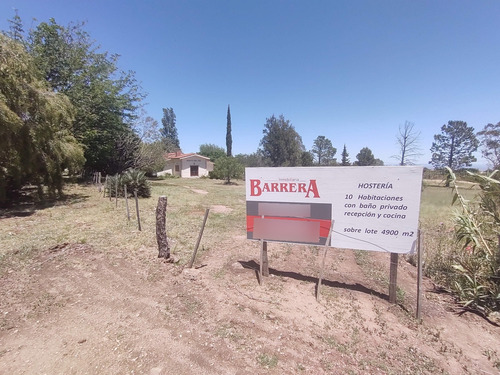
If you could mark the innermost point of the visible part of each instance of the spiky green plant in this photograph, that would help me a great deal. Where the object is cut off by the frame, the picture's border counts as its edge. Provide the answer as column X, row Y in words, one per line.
column 477, row 230
column 136, row 180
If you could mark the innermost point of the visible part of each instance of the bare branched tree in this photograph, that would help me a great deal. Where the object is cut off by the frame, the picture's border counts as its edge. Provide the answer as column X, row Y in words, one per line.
column 408, row 141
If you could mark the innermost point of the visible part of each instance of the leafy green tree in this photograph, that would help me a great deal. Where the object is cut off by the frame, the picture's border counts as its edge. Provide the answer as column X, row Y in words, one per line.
column 151, row 148
column 212, row 151
column 105, row 99
column 36, row 143
column 453, row 148
column 408, row 142
column 169, row 130
column 490, row 141
column 229, row 139
column 345, row 157
column 281, row 145
column 251, row 160
column 324, row 151
column 365, row 157
column 227, row 167
column 307, row 159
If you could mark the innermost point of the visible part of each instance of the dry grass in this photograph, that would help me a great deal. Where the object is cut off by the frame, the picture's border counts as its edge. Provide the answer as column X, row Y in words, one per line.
column 86, row 217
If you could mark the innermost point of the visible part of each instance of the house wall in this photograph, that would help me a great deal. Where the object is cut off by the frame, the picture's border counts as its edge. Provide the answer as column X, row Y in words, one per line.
column 188, row 162
column 204, row 166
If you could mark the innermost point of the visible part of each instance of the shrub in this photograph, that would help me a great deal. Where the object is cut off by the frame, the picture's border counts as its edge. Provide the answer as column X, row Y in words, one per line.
column 476, row 279
column 134, row 179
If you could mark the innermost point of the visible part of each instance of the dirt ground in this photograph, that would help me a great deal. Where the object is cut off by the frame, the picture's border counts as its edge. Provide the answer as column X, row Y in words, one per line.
column 74, row 309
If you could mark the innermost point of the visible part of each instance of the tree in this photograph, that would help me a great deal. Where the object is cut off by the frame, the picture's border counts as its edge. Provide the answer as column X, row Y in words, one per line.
column 169, row 130
column 229, row 139
column 251, row 160
column 36, row 143
column 146, row 127
column 490, row 141
column 149, row 156
column 408, row 142
column 324, row 151
column 345, row 157
column 227, row 167
column 281, row 145
column 105, row 99
column 307, row 159
column 212, row 151
column 16, row 29
column 453, row 148
column 365, row 157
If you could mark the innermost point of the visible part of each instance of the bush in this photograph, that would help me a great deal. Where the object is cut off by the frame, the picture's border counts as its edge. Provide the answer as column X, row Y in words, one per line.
column 134, row 179
column 476, row 279
column 226, row 168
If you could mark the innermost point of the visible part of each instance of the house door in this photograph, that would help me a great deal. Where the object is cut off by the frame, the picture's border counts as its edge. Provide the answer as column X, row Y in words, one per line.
column 194, row 171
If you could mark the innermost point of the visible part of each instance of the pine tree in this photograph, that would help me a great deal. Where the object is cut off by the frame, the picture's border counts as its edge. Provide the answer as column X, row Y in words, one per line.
column 281, row 145
column 323, row 151
column 345, row 157
column 16, row 29
column 454, row 147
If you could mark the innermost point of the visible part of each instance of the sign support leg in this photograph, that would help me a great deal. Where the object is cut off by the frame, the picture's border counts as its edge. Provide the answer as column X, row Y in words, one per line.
column 393, row 277
column 419, row 276
column 327, row 243
column 264, row 263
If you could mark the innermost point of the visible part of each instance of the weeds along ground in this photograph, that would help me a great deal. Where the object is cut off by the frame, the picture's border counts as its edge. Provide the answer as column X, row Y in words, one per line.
column 437, row 228
column 86, row 217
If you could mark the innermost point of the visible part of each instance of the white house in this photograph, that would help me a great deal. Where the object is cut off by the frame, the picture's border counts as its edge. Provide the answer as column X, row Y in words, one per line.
column 186, row 165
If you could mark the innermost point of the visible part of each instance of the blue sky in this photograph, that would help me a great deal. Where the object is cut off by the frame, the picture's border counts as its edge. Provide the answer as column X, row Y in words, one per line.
column 352, row 71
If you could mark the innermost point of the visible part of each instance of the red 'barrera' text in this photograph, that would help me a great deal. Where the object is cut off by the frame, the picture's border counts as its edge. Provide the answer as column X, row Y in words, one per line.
column 257, row 187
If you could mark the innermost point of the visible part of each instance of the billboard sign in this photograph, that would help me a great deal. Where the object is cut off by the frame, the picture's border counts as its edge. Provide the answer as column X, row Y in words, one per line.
column 369, row 208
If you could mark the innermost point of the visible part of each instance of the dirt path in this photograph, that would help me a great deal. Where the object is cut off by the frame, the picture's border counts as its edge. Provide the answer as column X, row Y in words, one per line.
column 74, row 309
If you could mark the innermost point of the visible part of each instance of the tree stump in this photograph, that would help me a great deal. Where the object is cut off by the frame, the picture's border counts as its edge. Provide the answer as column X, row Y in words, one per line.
column 161, row 232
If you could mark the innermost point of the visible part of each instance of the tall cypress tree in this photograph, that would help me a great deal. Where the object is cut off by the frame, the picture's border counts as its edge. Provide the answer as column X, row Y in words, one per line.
column 345, row 157
column 229, row 139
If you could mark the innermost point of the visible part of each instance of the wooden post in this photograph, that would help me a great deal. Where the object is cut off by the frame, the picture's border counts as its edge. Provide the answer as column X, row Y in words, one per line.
column 116, row 191
column 393, row 277
column 264, row 262
column 327, row 242
column 126, row 201
column 137, row 210
column 199, row 238
column 99, row 181
column 419, row 275
column 105, row 186
column 161, row 232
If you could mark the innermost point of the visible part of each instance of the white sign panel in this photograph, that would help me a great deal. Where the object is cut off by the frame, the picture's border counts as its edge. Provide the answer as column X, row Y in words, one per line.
column 371, row 208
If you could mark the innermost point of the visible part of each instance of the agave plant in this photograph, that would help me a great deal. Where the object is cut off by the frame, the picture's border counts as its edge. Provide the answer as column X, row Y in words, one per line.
column 136, row 181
